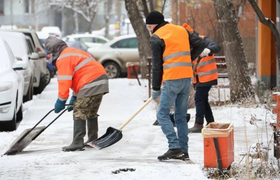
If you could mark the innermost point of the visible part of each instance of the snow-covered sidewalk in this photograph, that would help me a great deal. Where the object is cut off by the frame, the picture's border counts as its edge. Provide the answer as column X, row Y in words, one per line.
column 138, row 149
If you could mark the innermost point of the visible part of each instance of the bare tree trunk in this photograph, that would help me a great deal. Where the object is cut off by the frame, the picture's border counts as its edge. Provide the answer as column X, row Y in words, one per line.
column 151, row 5
column 237, row 65
column 142, row 34
column 145, row 8
column 76, row 22
column 106, row 17
column 175, row 10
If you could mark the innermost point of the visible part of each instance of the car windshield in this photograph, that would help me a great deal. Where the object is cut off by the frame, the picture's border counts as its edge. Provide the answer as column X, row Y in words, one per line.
column 18, row 47
column 5, row 58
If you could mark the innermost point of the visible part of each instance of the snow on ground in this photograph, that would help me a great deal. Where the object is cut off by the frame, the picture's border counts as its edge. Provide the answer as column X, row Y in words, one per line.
column 138, row 149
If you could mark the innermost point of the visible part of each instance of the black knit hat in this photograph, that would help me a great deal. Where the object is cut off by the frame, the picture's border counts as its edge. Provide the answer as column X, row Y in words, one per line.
column 154, row 17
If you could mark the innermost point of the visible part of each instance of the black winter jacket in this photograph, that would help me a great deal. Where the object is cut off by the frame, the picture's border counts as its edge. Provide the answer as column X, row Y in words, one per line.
column 158, row 46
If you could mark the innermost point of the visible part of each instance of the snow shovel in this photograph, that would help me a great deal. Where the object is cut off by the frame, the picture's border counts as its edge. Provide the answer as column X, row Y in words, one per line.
column 113, row 135
column 28, row 135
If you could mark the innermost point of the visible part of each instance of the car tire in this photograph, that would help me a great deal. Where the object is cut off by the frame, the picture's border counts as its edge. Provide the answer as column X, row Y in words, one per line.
column 48, row 76
column 42, row 85
column 29, row 95
column 19, row 114
column 113, row 70
column 9, row 125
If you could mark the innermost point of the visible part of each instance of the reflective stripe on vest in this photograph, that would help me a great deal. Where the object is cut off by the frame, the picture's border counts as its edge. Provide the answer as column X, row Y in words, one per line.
column 176, row 56
column 76, row 69
column 206, row 70
column 71, row 54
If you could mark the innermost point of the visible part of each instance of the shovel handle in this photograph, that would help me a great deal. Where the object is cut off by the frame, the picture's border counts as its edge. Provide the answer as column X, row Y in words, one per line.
column 127, row 121
column 50, row 123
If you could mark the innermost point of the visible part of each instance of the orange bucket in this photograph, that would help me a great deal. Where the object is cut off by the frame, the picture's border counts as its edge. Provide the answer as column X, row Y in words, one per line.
column 130, row 72
column 225, row 136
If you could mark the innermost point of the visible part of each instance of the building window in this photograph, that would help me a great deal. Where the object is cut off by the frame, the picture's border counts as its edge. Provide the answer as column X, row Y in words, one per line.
column 29, row 6
column 1, row 6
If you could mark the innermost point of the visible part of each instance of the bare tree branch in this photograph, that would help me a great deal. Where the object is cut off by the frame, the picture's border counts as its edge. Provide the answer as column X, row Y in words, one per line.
column 268, row 22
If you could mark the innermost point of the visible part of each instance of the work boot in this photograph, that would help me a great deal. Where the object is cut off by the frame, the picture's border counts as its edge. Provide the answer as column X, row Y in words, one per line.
column 92, row 125
column 209, row 119
column 78, row 136
column 183, row 157
column 196, row 128
column 171, row 153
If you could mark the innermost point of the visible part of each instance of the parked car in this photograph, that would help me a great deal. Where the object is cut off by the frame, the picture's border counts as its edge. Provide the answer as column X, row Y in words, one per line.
column 112, row 32
column 20, row 46
column 114, row 54
column 11, row 88
column 52, row 31
column 77, row 44
column 39, row 81
column 89, row 39
column 51, row 70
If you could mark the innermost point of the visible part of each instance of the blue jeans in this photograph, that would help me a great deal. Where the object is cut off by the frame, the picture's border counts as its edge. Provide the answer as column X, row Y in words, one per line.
column 175, row 92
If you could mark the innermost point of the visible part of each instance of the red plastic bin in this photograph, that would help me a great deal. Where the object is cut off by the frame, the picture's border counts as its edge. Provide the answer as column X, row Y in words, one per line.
column 225, row 136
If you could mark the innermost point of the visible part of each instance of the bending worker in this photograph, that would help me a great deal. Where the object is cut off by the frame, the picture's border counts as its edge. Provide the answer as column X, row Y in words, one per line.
column 79, row 71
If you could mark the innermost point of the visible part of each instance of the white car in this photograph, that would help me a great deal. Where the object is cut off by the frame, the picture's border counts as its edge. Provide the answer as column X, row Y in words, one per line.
column 20, row 46
column 52, row 31
column 89, row 39
column 40, row 78
column 116, row 53
column 11, row 88
column 112, row 32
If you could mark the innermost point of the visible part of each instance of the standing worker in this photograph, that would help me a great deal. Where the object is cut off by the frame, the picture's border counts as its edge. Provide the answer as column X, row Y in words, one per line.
column 172, row 68
column 205, row 75
column 88, row 80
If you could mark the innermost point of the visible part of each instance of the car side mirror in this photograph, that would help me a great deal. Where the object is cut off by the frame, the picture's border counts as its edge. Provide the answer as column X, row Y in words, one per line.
column 42, row 54
column 19, row 59
column 19, row 64
column 34, row 56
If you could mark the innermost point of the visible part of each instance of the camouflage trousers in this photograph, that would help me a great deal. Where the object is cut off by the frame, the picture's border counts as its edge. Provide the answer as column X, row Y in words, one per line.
column 87, row 107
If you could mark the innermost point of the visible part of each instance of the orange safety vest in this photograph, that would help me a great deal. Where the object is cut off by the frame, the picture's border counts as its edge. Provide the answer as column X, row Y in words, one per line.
column 176, row 56
column 206, row 69
column 75, row 69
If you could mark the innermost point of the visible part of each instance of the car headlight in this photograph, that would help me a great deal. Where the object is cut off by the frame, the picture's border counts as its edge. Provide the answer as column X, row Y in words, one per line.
column 4, row 109
column 5, row 86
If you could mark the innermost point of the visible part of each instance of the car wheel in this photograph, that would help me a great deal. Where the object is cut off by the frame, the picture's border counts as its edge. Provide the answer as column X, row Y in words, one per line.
column 113, row 70
column 48, row 76
column 42, row 85
column 19, row 114
column 29, row 95
column 9, row 125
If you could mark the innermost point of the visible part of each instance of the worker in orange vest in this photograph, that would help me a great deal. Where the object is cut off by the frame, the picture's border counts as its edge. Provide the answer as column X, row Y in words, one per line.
column 172, row 69
column 205, row 75
column 79, row 71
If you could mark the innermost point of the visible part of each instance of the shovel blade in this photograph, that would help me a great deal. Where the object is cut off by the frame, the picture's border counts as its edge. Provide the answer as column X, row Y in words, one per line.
column 23, row 140
column 111, row 136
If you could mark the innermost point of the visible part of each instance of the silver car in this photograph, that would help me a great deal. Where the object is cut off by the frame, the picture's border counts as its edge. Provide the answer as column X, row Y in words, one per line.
column 114, row 54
